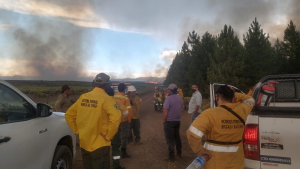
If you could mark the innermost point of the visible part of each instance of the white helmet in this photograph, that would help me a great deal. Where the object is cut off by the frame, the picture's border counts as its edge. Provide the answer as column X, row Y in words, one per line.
column 131, row 89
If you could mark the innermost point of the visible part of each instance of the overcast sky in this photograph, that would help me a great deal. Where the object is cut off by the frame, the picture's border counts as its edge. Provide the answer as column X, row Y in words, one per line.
column 76, row 39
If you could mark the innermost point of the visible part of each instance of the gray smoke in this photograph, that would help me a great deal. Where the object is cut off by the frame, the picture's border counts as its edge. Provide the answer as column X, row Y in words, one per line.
column 52, row 55
column 239, row 14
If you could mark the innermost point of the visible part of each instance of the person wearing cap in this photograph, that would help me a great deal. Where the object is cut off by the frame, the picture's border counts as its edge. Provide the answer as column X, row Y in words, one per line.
column 223, row 126
column 116, row 141
column 136, row 103
column 125, row 126
column 95, row 117
column 195, row 103
column 63, row 102
column 171, row 118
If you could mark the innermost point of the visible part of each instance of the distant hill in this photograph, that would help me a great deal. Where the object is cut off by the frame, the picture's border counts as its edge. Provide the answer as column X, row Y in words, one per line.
column 139, row 79
column 142, row 79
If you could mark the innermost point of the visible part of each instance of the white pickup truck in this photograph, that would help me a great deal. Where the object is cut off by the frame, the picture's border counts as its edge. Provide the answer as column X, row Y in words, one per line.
column 31, row 135
column 272, row 133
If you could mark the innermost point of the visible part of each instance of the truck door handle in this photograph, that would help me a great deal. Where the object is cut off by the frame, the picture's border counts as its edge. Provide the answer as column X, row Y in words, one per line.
column 43, row 131
column 5, row 139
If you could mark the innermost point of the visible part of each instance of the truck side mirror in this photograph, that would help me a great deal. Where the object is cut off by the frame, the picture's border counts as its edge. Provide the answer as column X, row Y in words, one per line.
column 44, row 110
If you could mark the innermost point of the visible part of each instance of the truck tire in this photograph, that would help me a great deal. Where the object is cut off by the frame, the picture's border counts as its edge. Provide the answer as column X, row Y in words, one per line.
column 62, row 158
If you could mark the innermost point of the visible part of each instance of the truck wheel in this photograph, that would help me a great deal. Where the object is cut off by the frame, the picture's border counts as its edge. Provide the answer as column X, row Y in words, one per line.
column 62, row 158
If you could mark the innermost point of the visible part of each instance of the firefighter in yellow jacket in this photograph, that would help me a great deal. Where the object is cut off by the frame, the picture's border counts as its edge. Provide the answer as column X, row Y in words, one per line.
column 116, row 141
column 136, row 103
column 180, row 93
column 96, row 118
column 157, row 94
column 222, row 129
column 125, row 125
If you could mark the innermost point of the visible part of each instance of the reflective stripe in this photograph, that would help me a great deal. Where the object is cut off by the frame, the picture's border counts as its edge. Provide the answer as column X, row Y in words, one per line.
column 121, row 96
column 116, row 157
column 251, row 99
column 128, row 107
column 125, row 112
column 221, row 148
column 196, row 131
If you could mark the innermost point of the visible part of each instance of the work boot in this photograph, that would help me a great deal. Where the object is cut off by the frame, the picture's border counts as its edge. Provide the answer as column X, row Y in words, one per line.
column 124, row 153
column 169, row 159
column 120, row 167
column 178, row 156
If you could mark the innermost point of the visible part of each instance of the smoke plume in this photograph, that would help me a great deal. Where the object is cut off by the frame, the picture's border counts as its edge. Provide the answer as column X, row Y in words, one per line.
column 273, row 16
column 50, row 55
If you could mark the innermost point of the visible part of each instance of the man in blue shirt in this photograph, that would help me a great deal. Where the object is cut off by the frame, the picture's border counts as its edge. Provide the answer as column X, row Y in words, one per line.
column 172, row 116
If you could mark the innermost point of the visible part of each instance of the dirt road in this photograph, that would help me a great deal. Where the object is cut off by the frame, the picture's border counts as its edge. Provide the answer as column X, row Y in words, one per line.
column 150, row 154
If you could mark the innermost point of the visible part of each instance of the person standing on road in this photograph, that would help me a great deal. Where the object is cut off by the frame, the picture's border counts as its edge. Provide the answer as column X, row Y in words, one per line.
column 136, row 103
column 95, row 117
column 116, row 141
column 63, row 102
column 125, row 126
column 171, row 118
column 223, row 126
column 195, row 103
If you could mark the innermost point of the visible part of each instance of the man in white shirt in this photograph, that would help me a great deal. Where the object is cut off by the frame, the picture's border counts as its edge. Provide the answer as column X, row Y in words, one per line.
column 195, row 103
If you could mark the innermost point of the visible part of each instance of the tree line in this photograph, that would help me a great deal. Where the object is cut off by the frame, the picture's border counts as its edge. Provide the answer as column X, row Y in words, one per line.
column 223, row 58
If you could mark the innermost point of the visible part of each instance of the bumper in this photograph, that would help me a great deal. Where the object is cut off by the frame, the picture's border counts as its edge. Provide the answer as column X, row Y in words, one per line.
column 251, row 164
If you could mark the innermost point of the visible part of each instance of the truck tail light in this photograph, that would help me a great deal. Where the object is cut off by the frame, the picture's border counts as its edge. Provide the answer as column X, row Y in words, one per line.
column 251, row 142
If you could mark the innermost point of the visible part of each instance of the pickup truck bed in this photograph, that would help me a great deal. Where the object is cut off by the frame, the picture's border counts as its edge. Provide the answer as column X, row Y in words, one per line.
column 272, row 134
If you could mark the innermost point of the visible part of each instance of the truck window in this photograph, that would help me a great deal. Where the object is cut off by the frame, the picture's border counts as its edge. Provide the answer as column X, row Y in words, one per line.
column 287, row 91
column 13, row 107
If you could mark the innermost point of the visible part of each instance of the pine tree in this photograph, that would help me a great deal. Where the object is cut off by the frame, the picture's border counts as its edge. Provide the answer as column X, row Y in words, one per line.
column 280, row 60
column 193, row 39
column 291, row 49
column 260, row 60
column 227, row 64
column 197, row 72
column 179, row 67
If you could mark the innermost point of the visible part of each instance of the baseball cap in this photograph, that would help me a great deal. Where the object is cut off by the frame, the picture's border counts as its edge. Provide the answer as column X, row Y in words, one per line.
column 64, row 88
column 101, row 78
column 172, row 86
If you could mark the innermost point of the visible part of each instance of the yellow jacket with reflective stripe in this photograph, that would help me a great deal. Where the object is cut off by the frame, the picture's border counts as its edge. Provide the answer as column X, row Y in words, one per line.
column 136, row 104
column 125, row 101
column 93, row 113
column 220, row 125
column 123, row 109
column 180, row 93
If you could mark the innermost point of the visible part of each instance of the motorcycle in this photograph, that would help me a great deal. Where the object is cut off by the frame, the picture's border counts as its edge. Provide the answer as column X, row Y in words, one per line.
column 158, row 104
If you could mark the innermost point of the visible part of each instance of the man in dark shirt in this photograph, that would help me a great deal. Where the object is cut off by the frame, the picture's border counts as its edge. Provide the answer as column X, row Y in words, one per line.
column 171, row 116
